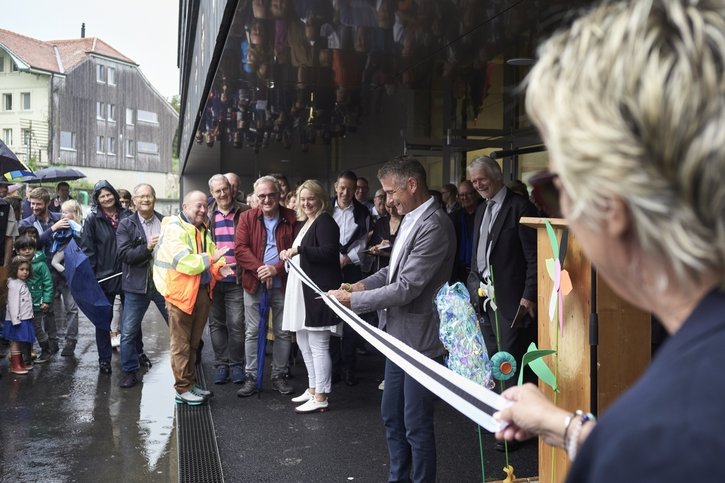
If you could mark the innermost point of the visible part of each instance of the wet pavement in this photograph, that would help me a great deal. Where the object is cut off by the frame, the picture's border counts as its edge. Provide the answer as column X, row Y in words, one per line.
column 65, row 422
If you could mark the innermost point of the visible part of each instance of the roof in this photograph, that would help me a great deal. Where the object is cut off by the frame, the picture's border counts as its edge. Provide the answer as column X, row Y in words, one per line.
column 58, row 56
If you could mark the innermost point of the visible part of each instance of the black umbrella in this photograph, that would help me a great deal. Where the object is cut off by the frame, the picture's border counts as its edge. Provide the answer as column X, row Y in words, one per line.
column 11, row 168
column 55, row 174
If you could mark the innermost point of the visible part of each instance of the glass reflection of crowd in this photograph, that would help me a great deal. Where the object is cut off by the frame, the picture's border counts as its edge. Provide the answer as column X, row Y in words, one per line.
column 307, row 71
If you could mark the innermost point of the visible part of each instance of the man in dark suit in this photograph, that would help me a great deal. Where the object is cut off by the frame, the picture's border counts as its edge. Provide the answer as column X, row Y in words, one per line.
column 504, row 250
column 403, row 294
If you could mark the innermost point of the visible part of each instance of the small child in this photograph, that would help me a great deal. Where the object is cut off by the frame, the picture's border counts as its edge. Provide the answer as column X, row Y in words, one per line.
column 71, row 211
column 18, row 326
column 40, row 284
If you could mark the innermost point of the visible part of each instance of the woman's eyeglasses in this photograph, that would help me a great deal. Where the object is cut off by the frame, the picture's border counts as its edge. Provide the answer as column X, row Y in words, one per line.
column 546, row 193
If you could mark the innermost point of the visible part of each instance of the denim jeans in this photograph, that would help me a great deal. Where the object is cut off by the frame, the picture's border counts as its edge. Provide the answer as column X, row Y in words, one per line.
column 407, row 411
column 282, row 338
column 134, row 309
column 226, row 324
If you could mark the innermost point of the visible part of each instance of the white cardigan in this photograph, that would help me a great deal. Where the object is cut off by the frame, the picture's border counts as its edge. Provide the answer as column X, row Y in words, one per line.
column 20, row 303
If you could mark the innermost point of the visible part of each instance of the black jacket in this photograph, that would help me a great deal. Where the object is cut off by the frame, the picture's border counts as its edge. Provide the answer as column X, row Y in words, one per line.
column 133, row 252
column 320, row 259
column 99, row 241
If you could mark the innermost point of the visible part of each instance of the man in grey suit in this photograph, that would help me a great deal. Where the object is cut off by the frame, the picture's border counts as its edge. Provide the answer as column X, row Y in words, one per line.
column 403, row 293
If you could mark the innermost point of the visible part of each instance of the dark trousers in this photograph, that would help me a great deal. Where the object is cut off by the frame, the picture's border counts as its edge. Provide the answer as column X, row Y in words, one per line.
column 407, row 411
column 342, row 352
column 103, row 338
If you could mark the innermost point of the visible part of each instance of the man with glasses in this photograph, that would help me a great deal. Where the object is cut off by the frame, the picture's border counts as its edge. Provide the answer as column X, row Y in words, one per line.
column 379, row 210
column 226, row 318
column 463, row 219
column 136, row 238
column 261, row 234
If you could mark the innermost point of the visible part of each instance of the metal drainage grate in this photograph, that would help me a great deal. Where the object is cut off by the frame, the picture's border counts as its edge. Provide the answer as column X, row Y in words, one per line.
column 199, row 460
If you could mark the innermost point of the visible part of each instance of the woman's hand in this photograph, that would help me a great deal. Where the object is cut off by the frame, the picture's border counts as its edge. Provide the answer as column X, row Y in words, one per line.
column 288, row 254
column 531, row 414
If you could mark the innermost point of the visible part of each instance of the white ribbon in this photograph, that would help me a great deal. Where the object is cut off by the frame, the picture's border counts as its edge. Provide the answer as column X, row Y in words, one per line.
column 472, row 400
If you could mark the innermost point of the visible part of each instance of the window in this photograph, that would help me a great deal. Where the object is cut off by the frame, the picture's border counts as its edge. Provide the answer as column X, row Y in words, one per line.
column 25, row 101
column 7, row 102
column 100, row 144
column 15, row 67
column 111, row 145
column 67, row 140
column 100, row 110
column 146, row 116
column 26, row 135
column 100, row 73
column 112, row 112
column 8, row 136
column 149, row 148
column 2, row 63
column 129, row 117
column 129, row 148
column 111, row 76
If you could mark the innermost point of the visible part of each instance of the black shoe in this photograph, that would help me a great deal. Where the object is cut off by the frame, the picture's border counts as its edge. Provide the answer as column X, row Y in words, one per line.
column 129, row 380
column 69, row 348
column 249, row 387
column 144, row 361
column 53, row 346
column 43, row 357
column 512, row 445
column 280, row 385
column 104, row 367
column 348, row 376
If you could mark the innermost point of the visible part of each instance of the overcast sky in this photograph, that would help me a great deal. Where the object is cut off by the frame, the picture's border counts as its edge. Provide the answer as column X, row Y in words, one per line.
column 143, row 30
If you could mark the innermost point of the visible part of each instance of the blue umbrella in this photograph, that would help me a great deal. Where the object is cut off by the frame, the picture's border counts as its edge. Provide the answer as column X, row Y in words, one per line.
column 84, row 287
column 262, row 336
column 11, row 168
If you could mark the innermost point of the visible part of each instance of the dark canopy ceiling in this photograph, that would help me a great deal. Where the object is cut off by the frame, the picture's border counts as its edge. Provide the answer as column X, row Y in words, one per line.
column 305, row 71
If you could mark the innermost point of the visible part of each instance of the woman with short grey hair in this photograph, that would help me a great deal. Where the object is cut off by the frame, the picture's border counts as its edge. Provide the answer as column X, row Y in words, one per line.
column 630, row 102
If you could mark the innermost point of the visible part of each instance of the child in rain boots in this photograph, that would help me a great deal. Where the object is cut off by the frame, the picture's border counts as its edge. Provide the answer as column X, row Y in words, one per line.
column 40, row 284
column 18, row 326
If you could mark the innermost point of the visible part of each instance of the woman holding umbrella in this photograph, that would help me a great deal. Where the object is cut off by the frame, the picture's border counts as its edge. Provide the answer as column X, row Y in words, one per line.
column 316, row 251
column 99, row 244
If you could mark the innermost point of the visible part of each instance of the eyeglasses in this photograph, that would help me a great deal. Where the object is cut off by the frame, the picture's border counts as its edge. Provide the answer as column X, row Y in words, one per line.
column 141, row 197
column 264, row 196
column 546, row 193
column 464, row 194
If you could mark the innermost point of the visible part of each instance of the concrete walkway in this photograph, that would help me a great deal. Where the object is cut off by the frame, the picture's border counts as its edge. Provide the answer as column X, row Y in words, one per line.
column 65, row 422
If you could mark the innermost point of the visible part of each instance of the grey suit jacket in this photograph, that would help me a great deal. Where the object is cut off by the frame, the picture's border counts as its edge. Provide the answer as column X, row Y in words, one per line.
column 406, row 305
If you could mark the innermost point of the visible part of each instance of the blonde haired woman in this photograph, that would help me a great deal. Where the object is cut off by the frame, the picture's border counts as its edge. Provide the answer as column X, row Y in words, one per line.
column 316, row 251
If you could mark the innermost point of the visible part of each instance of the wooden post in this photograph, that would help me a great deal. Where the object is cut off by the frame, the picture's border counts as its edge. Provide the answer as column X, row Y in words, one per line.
column 589, row 377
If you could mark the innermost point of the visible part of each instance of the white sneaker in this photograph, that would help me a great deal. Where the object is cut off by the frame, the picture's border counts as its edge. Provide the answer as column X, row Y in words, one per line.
column 190, row 399
column 199, row 391
column 312, row 406
column 304, row 397
column 381, row 386
column 116, row 340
